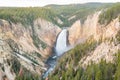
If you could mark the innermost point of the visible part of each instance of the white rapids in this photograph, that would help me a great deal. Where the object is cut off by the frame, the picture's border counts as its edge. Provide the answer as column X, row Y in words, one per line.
column 61, row 43
column 60, row 48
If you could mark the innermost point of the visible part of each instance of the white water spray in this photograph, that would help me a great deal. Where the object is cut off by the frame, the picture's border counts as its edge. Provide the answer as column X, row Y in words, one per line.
column 61, row 43
column 60, row 48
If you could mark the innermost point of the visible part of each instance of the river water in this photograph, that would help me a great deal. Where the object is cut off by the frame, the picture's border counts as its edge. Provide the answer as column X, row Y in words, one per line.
column 60, row 48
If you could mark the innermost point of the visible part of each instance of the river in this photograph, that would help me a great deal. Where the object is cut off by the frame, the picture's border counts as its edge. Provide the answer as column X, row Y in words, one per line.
column 59, row 49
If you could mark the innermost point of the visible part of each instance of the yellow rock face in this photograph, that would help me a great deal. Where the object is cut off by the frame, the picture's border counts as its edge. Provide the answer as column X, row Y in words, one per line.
column 74, row 33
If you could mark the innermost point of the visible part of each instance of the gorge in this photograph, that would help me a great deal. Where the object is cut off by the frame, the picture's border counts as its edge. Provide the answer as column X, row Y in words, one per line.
column 60, row 48
column 60, row 42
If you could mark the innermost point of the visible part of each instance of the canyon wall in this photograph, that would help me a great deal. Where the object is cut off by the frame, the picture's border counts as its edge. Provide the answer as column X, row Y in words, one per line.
column 80, row 32
column 104, row 35
column 30, row 44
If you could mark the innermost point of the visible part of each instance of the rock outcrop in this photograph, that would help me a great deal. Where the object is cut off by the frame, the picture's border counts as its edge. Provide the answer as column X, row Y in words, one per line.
column 28, row 45
column 108, row 46
column 46, row 31
column 79, row 32
column 74, row 33
column 103, row 34
column 105, row 51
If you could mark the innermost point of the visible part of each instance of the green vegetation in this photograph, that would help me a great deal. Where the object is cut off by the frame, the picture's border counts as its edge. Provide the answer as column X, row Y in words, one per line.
column 71, row 60
column 68, row 10
column 81, row 11
column 68, row 67
column 15, row 65
column 37, row 42
column 117, row 72
column 100, row 71
column 27, row 75
column 73, row 56
column 30, row 57
column 15, row 49
column 36, row 54
column 119, row 18
column 26, row 15
column 118, row 37
column 111, row 13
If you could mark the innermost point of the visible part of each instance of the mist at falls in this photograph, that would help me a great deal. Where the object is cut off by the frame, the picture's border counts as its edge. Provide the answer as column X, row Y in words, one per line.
column 61, row 44
column 59, row 49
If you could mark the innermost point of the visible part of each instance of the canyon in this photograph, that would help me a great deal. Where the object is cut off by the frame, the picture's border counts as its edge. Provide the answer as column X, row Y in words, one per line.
column 44, row 46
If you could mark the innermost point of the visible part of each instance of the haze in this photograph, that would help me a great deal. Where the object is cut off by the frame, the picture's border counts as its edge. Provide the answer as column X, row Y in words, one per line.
column 33, row 3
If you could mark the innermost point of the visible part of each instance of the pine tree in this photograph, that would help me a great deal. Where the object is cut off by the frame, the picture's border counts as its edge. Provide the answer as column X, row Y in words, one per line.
column 117, row 73
column 98, row 75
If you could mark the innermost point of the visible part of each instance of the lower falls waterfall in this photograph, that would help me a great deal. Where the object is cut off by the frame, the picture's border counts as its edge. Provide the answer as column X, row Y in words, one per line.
column 59, row 49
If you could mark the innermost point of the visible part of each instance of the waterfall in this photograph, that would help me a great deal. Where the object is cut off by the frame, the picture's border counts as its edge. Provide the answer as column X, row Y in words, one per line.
column 61, row 43
column 60, row 48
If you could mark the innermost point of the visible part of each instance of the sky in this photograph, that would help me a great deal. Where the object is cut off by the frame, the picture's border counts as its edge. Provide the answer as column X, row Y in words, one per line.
column 33, row 3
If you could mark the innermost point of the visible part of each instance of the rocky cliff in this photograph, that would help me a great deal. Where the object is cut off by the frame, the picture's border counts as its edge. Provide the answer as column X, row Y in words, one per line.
column 83, row 31
column 96, row 49
column 91, row 27
column 103, row 34
column 74, row 33
column 25, row 46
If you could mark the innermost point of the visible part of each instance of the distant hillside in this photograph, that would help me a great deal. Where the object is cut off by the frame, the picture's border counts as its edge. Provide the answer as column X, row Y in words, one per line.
column 110, row 14
column 94, row 60
column 28, row 38
column 26, row 15
column 71, row 13
column 61, row 15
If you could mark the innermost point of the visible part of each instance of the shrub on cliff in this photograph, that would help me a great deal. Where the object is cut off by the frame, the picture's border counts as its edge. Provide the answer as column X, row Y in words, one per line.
column 111, row 13
column 26, row 15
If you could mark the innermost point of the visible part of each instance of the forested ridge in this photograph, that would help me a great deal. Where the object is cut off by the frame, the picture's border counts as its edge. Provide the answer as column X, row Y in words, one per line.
column 79, row 11
column 109, row 14
column 68, row 65
column 26, row 15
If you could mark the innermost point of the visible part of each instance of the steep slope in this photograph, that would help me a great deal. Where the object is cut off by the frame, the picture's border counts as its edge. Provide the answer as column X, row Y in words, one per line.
column 96, row 57
column 25, row 46
column 70, row 13
column 80, row 31
column 27, row 15
column 110, row 14
column 92, row 55
column 28, row 35
column 93, row 26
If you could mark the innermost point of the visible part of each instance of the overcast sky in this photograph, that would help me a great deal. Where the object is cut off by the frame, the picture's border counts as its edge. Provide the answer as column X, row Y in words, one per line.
column 28, row 3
